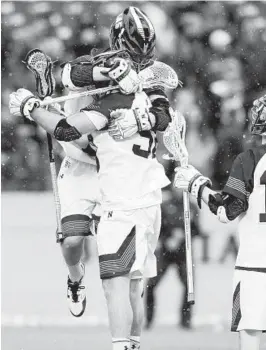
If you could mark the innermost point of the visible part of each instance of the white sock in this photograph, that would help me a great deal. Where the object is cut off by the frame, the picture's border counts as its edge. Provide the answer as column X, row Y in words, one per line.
column 76, row 272
column 120, row 344
column 134, row 342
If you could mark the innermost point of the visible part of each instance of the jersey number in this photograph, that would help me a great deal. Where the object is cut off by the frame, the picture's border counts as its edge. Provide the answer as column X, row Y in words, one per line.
column 147, row 146
column 263, row 182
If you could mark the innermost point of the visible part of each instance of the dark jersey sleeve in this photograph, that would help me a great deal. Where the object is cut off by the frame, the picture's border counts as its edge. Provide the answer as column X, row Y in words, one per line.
column 160, row 108
column 240, row 182
column 81, row 73
column 110, row 102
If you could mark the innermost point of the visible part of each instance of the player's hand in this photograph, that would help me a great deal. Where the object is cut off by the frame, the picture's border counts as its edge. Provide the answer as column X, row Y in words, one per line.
column 123, row 124
column 124, row 75
column 141, row 106
column 54, row 107
column 258, row 112
column 190, row 179
column 22, row 102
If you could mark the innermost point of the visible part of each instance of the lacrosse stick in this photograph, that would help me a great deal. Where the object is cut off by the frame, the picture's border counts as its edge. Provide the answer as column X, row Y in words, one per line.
column 41, row 65
column 174, row 141
column 159, row 74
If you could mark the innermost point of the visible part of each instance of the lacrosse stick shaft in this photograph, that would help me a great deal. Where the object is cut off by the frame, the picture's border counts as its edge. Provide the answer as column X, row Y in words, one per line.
column 174, row 140
column 157, row 75
column 189, row 260
column 77, row 95
column 187, row 227
column 59, row 234
column 41, row 65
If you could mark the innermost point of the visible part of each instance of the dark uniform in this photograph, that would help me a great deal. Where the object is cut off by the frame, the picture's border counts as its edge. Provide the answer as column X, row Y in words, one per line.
column 171, row 251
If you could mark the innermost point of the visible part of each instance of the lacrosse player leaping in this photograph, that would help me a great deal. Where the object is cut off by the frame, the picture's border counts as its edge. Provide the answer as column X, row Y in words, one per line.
column 243, row 196
column 130, row 178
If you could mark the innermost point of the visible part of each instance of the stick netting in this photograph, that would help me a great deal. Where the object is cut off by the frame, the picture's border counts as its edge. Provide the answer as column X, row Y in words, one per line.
column 159, row 74
column 174, row 138
column 41, row 65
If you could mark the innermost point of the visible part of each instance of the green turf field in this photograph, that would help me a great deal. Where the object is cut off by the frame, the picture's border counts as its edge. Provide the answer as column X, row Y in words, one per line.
column 34, row 311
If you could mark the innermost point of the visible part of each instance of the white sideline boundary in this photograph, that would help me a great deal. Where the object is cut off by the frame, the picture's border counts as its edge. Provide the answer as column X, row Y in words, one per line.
column 216, row 322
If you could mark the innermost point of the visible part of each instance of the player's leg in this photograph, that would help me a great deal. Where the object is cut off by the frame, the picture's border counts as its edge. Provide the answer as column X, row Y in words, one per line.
column 75, row 181
column 162, row 265
column 150, row 301
column 136, row 301
column 123, row 248
column 116, row 291
column 116, row 241
column 148, row 222
column 72, row 249
column 249, row 340
column 249, row 307
column 185, row 312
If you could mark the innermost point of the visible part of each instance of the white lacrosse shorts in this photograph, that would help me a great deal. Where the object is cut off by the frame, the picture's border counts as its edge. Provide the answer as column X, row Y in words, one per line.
column 249, row 301
column 79, row 194
column 127, row 241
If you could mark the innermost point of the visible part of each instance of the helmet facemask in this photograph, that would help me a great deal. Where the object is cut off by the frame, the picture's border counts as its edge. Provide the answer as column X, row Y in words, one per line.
column 134, row 32
column 258, row 124
column 258, row 118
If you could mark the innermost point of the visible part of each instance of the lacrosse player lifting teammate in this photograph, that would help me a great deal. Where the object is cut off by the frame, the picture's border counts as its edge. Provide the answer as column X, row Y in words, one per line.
column 130, row 177
column 243, row 196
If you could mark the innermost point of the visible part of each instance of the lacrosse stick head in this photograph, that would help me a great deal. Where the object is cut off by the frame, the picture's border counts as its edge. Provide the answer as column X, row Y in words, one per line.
column 174, row 138
column 41, row 65
column 159, row 74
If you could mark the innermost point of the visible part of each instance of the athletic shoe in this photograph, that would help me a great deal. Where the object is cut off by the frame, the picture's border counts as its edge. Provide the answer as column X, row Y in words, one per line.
column 76, row 296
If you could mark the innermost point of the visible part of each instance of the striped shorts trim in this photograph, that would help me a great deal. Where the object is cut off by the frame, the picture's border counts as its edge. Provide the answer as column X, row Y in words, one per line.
column 76, row 225
column 119, row 263
column 236, row 310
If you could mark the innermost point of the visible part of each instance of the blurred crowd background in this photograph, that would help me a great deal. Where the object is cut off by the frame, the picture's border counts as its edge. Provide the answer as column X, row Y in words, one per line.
column 218, row 50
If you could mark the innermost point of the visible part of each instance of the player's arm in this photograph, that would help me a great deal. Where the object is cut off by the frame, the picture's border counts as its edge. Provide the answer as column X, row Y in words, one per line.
column 148, row 112
column 159, row 109
column 24, row 103
column 85, row 72
column 233, row 200
column 80, row 73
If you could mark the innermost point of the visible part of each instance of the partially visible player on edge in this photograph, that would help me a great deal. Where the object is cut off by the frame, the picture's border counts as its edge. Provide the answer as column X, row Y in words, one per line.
column 243, row 196
column 130, row 224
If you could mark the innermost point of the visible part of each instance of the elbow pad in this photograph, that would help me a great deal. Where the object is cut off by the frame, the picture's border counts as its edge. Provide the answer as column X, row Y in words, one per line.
column 226, row 207
column 66, row 132
column 78, row 73
column 160, row 110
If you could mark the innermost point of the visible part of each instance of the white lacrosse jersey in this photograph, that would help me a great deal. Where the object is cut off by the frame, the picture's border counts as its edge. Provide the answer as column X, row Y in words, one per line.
column 247, row 181
column 130, row 175
column 82, row 152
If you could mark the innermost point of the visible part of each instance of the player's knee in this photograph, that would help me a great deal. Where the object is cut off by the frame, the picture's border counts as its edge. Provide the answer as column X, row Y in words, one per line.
column 250, row 333
column 136, row 289
column 108, row 287
column 73, row 242
column 116, row 286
